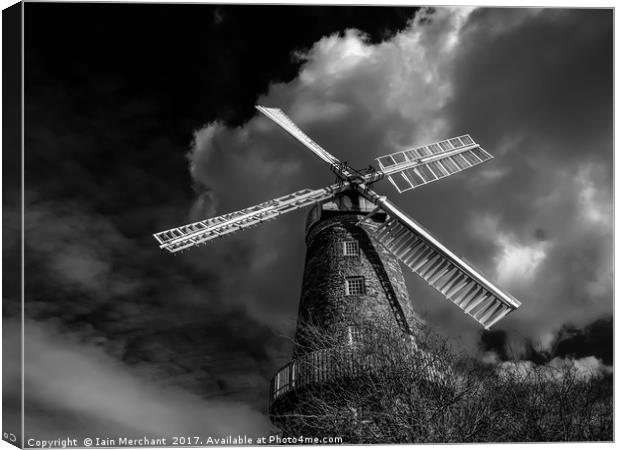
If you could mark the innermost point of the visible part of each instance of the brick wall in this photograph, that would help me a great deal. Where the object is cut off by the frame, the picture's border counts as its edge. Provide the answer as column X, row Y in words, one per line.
column 324, row 303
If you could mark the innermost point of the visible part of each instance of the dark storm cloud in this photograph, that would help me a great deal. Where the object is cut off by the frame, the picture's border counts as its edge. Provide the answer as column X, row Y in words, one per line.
column 542, row 77
column 183, row 57
column 535, row 87
column 496, row 346
column 595, row 339
column 495, row 341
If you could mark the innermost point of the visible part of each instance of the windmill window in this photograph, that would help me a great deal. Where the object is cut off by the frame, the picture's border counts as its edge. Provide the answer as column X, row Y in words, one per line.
column 355, row 286
column 354, row 335
column 351, row 248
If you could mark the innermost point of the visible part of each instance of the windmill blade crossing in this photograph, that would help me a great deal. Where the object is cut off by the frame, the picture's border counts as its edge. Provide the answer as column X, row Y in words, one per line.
column 454, row 278
column 279, row 117
column 415, row 167
column 177, row 239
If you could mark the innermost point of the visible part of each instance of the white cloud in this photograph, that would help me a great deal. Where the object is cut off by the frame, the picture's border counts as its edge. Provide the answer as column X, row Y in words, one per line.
column 398, row 85
column 489, row 358
column 334, row 58
column 555, row 370
column 596, row 206
column 516, row 262
column 519, row 369
column 202, row 147
column 74, row 379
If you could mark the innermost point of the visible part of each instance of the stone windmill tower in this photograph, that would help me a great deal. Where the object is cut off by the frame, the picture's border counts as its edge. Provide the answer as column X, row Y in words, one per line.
column 356, row 241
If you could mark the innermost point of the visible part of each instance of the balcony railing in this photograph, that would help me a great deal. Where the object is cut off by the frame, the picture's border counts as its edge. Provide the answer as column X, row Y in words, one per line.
column 327, row 365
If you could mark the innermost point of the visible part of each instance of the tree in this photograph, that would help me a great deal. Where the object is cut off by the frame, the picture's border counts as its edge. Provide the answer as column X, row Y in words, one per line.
column 373, row 384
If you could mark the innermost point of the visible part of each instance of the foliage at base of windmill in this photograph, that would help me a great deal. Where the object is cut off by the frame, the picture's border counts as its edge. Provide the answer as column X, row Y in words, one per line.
column 351, row 352
column 398, row 401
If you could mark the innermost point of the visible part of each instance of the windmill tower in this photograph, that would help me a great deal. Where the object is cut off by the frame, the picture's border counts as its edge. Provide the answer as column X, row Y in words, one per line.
column 356, row 242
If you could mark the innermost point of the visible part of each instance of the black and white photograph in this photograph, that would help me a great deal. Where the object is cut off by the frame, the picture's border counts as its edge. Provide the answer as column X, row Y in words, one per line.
column 250, row 224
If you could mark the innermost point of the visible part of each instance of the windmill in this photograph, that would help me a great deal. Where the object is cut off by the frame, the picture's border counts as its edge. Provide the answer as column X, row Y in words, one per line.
column 355, row 239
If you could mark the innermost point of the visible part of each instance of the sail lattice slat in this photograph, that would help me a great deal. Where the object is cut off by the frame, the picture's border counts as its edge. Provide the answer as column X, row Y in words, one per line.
column 177, row 239
column 455, row 279
column 415, row 167
column 279, row 117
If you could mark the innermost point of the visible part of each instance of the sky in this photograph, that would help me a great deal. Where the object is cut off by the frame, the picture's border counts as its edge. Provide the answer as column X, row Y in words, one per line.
column 140, row 118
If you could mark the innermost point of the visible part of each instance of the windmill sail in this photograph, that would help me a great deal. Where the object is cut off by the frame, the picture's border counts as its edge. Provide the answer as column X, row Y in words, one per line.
column 454, row 278
column 415, row 167
column 279, row 117
column 177, row 239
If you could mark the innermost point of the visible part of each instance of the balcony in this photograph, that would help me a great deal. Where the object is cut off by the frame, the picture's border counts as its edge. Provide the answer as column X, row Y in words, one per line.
column 349, row 360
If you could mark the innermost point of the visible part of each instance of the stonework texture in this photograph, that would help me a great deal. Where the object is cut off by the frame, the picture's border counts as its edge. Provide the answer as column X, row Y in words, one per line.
column 324, row 303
